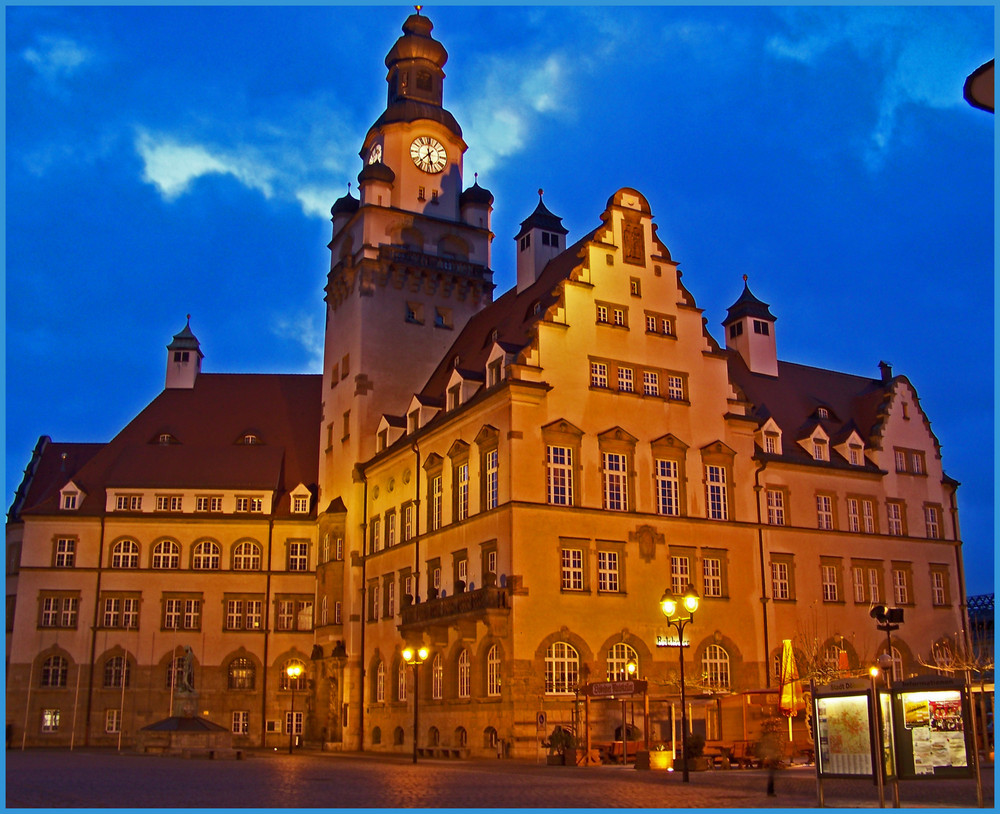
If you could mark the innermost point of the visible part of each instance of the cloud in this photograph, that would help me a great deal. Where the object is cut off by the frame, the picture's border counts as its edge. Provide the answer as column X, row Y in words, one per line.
column 913, row 56
column 302, row 329
column 506, row 108
column 55, row 57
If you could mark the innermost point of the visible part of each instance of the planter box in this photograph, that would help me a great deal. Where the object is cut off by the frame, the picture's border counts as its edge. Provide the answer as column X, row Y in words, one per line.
column 695, row 764
column 660, row 760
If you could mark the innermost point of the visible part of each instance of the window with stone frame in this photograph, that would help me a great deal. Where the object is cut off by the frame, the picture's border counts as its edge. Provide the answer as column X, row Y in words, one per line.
column 932, row 521
column 65, row 552
column 901, row 582
column 824, row 512
column 246, row 556
column 55, row 670
column 493, row 671
column 717, row 461
column 896, row 514
column 940, row 593
column 572, row 569
column 782, row 577
column 125, row 554
column 617, row 453
column 562, row 462
column 607, row 571
column 435, row 492
column 715, row 573
column 830, row 570
column 57, row 609
column 464, row 674
column 206, row 556
column 775, row 507
column 562, row 669
column 120, row 610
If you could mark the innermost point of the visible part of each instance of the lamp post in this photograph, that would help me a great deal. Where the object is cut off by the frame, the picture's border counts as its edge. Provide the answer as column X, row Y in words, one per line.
column 669, row 606
column 873, row 672
column 627, row 673
column 415, row 658
column 293, row 671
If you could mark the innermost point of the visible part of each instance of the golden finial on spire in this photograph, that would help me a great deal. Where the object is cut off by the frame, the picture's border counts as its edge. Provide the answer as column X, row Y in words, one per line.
column 540, row 193
column 418, row 8
column 744, row 279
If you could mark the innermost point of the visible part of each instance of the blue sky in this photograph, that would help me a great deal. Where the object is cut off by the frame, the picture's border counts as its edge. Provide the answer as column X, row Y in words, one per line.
column 166, row 161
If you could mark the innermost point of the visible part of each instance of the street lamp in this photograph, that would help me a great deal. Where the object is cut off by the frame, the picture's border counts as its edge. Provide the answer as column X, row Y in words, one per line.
column 293, row 671
column 669, row 606
column 883, row 746
column 627, row 672
column 415, row 658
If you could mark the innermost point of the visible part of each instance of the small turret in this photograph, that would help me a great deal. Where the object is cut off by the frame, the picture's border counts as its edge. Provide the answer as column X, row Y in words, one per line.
column 476, row 206
column 749, row 326
column 541, row 238
column 343, row 209
column 183, row 359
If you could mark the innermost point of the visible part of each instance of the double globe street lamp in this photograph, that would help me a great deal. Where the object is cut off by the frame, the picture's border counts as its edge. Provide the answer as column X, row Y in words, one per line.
column 671, row 608
column 415, row 658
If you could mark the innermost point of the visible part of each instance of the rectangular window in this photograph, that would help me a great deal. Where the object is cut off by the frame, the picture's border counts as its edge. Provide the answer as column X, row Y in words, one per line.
column 853, row 517
column 619, row 315
column 169, row 503
column 492, row 467
column 376, row 531
column 130, row 613
column 932, row 522
column 716, row 493
column 572, row 569
column 780, row 583
column 874, row 593
column 607, row 571
column 824, row 512
column 69, row 500
column 390, row 598
column 172, row 614
column 408, row 521
column 192, row 614
column 559, row 475
column 667, row 487
column 50, row 611
column 859, row 584
column 208, row 503
column 128, row 503
column 462, row 496
column 651, row 323
column 255, row 614
column 868, row 516
column 300, row 504
column 680, row 574
column 770, row 443
column 711, row 568
column 895, row 513
column 50, row 720
column 598, row 374
column 761, row 327
column 326, row 548
column 65, row 552
column 293, row 723
column 298, row 556
column 675, row 388
column 635, row 287
column 241, row 722
column 857, row 457
column 338, row 549
column 234, row 614
column 819, row 450
column 917, row 463
column 625, row 380
column 390, row 529
column 828, row 574
column 337, row 613
column 900, row 456
column 775, row 507
column 112, row 721
column 67, row 616
column 938, row 594
column 666, row 326
column 650, row 383
column 900, row 586
column 285, row 618
column 491, row 562
column 436, row 499
column 602, row 313
column 615, row 484
column 112, row 611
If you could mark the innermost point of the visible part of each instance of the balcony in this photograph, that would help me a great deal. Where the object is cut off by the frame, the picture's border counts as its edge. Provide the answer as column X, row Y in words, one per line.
column 444, row 609
column 428, row 262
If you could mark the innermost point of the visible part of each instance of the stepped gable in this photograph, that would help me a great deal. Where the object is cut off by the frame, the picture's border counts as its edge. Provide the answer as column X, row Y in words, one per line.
column 792, row 397
column 512, row 316
column 207, row 424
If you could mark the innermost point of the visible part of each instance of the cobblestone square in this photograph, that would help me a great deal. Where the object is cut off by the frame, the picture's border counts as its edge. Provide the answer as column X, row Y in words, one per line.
column 106, row 779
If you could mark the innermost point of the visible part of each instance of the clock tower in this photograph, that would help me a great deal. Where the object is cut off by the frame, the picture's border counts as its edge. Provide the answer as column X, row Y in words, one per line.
column 409, row 266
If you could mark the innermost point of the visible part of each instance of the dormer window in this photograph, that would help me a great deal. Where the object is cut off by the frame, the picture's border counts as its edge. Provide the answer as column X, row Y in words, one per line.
column 454, row 397
column 856, row 455
column 494, row 373
column 69, row 500
column 383, row 440
column 300, row 504
column 771, row 443
column 820, row 450
column 413, row 421
column 822, row 412
column 250, row 439
column 165, row 439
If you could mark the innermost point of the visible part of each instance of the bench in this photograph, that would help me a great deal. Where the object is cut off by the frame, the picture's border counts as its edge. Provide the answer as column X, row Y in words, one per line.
column 744, row 754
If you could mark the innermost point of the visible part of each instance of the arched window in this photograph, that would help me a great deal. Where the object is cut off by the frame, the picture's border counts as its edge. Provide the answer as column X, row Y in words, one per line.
column 242, row 674
column 562, row 669
column 401, row 681
column 286, row 683
column 116, row 671
column 380, row 683
column 397, row 736
column 125, row 554
column 461, row 737
column 433, row 736
column 206, row 556
column 246, row 557
column 437, row 677
column 619, row 656
column 493, row 671
column 464, row 678
column 166, row 554
column 715, row 666
column 376, row 736
column 54, row 671
column 490, row 738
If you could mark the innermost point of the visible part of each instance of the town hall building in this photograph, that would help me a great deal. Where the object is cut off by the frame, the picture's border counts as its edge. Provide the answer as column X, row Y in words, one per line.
column 509, row 480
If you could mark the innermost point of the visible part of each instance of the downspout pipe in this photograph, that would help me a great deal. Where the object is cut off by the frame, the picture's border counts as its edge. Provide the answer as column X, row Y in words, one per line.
column 758, row 488
column 93, row 639
column 416, row 529
column 364, row 608
column 267, row 630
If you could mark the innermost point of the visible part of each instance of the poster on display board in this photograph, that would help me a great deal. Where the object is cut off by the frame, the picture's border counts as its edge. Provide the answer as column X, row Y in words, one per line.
column 932, row 734
column 842, row 715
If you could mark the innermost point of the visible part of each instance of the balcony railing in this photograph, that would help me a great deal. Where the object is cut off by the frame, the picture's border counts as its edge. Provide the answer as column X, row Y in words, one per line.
column 478, row 601
column 430, row 262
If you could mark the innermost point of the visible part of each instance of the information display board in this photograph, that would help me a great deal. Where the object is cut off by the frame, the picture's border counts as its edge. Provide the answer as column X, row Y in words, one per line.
column 932, row 738
column 843, row 735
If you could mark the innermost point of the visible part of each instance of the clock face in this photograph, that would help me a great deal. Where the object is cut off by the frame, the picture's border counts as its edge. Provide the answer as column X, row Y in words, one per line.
column 428, row 154
column 375, row 155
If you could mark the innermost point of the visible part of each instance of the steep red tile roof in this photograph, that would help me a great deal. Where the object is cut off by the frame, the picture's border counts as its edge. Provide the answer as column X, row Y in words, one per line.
column 208, row 422
column 52, row 466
